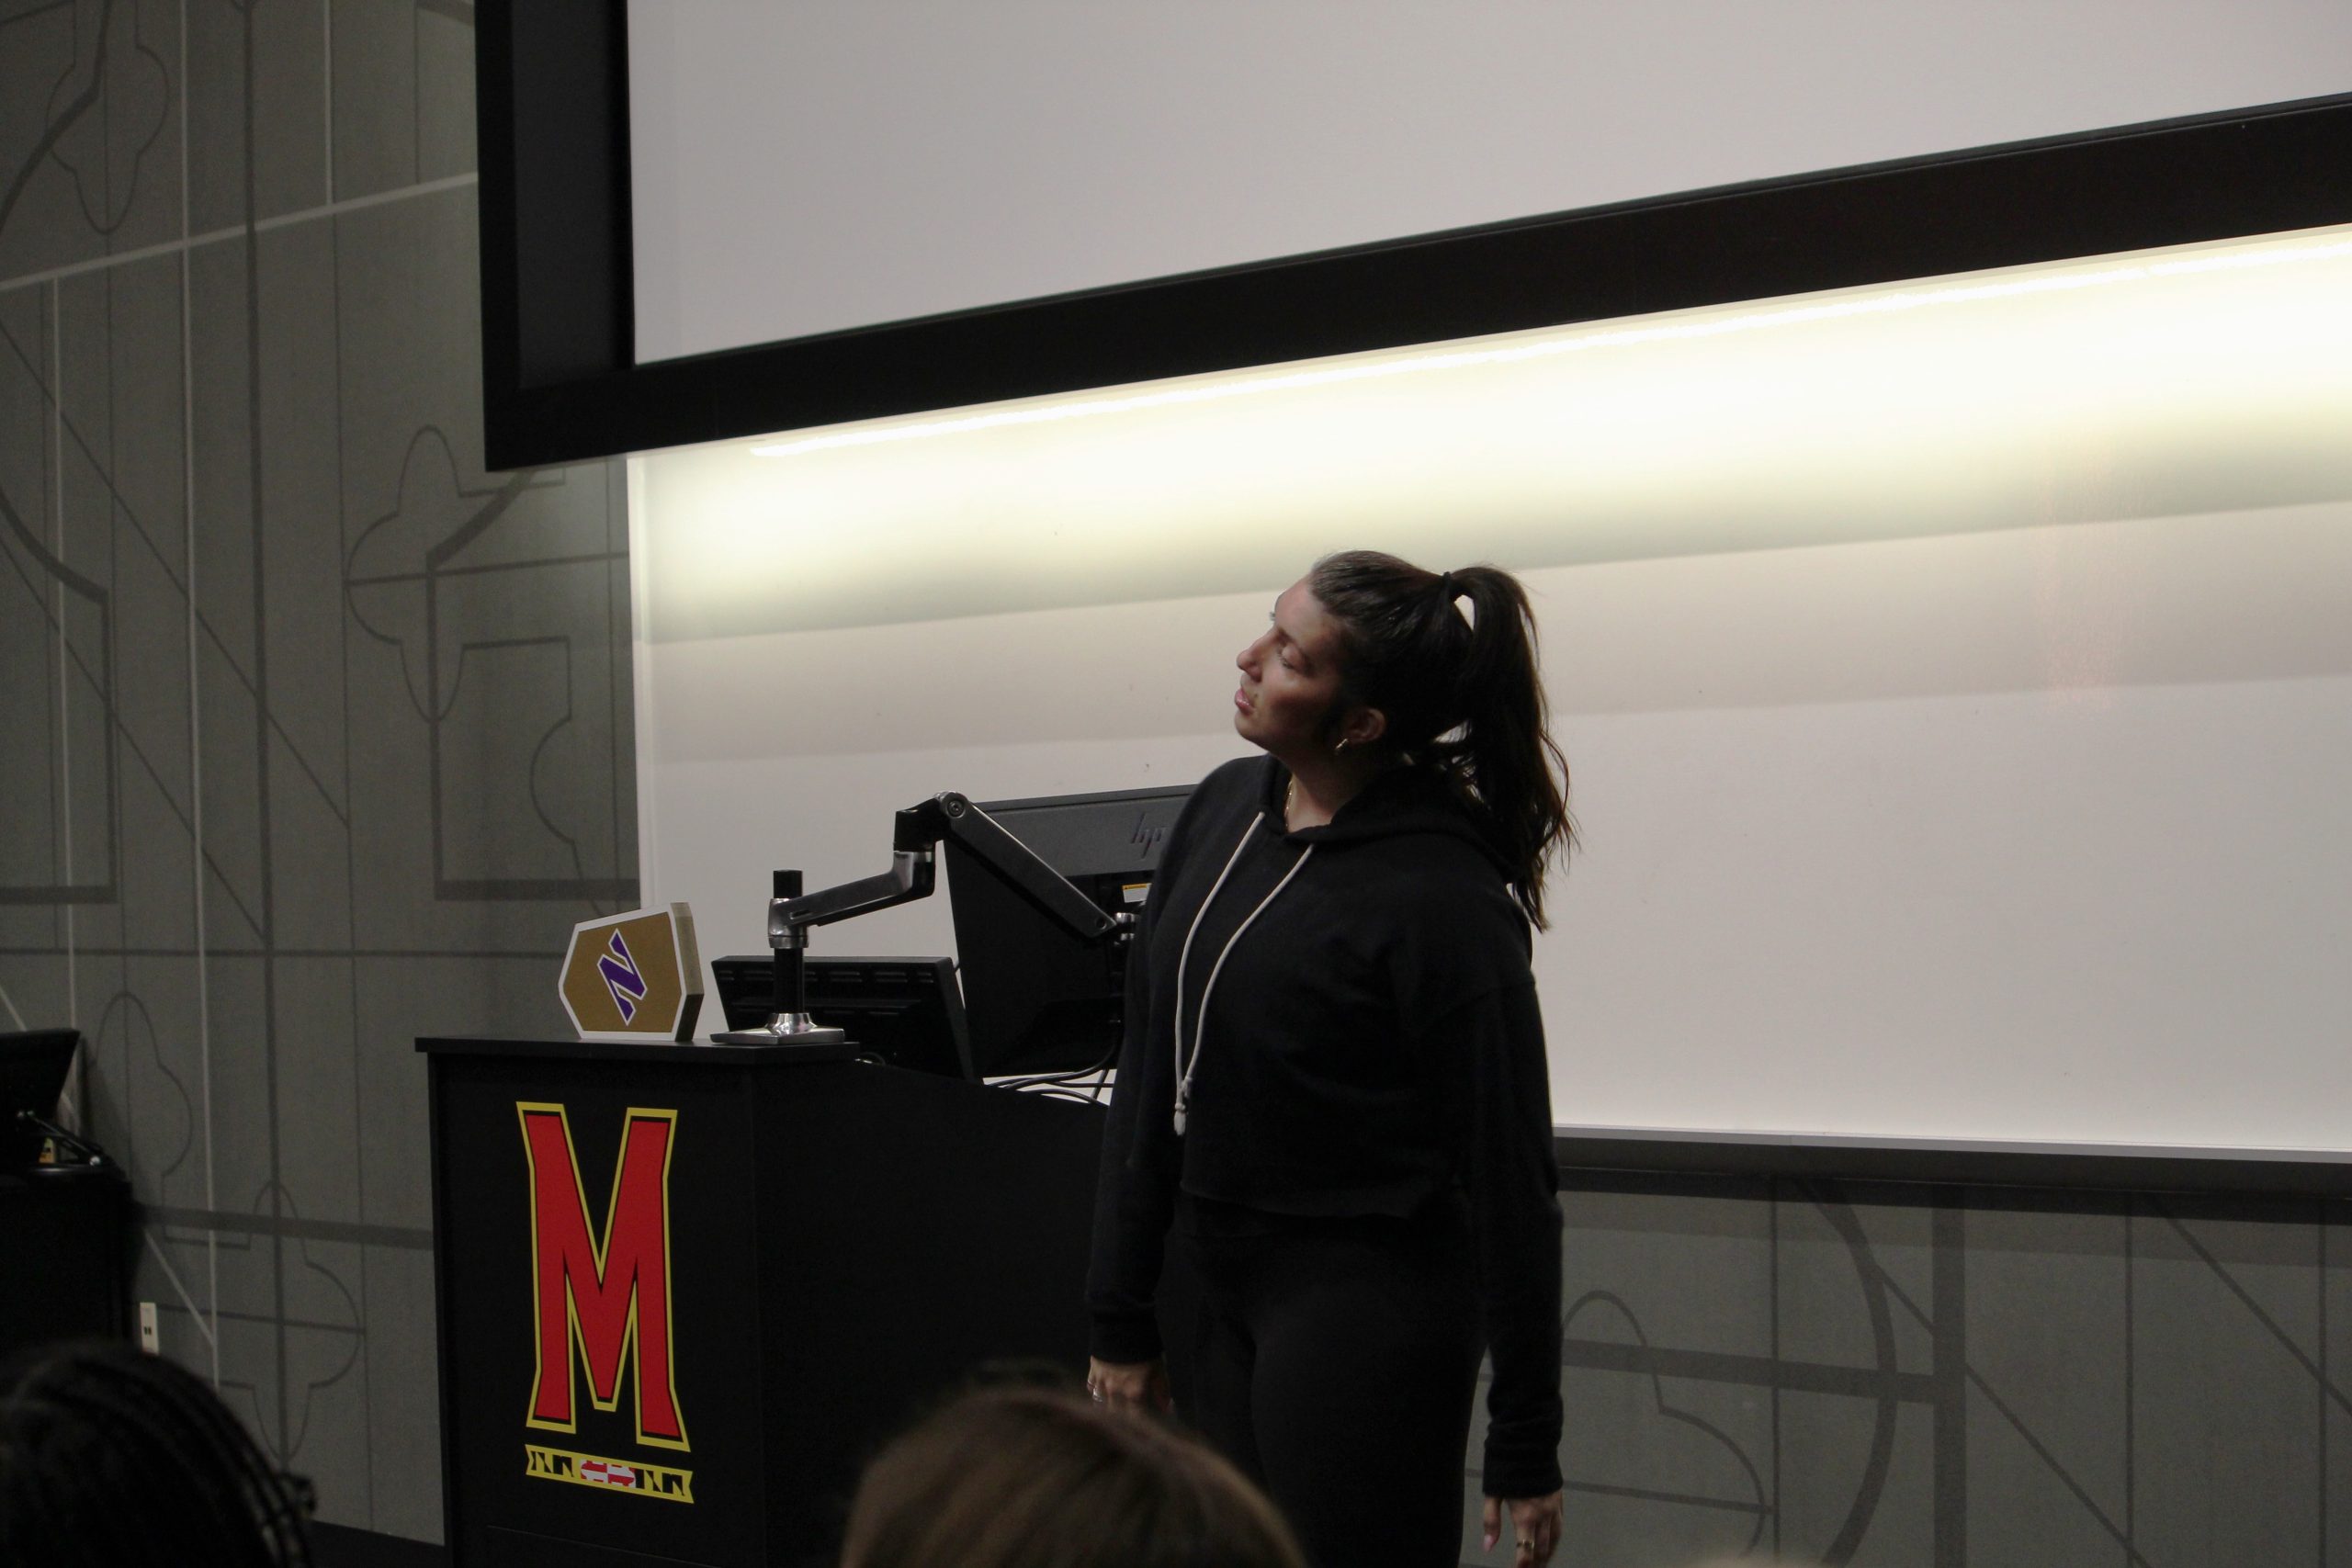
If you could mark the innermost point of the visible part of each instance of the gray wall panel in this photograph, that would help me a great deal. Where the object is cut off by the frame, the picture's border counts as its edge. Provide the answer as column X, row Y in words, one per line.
column 260, row 66
column 221, row 738
column 2085, row 1377
column 2332, row 1393
column 2223, row 1361
column 109, row 180
column 2046, row 1416
column 404, row 1410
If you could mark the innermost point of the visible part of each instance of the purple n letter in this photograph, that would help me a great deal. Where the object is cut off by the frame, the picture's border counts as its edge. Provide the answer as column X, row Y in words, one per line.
column 621, row 977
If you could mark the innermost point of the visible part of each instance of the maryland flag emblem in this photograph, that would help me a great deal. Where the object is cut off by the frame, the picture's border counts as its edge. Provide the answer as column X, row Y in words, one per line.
column 601, row 1304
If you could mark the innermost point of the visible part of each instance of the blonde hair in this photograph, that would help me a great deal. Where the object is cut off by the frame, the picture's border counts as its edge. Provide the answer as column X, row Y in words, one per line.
column 1033, row 1478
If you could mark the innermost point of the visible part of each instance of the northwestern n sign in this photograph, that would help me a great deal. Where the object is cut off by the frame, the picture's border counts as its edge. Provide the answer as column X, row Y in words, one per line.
column 636, row 976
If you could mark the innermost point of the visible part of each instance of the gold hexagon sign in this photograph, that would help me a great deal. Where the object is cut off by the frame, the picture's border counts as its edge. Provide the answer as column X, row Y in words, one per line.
column 634, row 977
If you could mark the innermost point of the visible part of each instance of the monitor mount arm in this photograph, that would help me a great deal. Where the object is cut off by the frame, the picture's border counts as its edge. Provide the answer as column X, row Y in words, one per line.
column 91, row 1154
column 913, row 874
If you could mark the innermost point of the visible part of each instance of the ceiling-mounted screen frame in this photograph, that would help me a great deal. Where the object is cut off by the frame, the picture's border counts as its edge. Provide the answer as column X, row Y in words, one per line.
column 561, row 383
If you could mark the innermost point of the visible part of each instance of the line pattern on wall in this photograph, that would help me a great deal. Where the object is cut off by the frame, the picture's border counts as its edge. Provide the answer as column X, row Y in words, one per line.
column 237, row 290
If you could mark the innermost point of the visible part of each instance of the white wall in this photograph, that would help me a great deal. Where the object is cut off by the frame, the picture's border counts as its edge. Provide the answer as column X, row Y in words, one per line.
column 2033, row 833
column 1957, row 676
column 812, row 164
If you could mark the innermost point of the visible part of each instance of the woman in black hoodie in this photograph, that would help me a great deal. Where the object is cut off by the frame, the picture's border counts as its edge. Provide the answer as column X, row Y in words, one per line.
column 1332, row 1091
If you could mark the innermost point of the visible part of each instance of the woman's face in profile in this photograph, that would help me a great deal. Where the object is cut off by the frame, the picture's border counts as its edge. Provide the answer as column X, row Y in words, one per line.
column 1290, row 676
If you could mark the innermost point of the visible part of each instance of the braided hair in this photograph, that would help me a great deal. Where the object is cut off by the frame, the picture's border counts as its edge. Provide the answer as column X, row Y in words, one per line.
column 1461, row 695
column 111, row 1458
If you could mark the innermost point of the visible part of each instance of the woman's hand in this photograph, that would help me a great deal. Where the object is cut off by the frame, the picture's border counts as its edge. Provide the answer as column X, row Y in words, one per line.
column 1129, row 1385
column 1534, row 1521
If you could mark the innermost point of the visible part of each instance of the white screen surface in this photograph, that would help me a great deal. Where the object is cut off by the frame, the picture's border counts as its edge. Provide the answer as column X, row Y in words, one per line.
column 803, row 166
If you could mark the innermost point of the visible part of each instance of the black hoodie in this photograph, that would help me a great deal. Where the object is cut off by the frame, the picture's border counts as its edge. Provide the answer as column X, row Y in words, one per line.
column 1372, row 1041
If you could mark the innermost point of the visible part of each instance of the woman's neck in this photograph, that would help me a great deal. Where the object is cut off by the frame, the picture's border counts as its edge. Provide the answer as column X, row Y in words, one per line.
column 1320, row 785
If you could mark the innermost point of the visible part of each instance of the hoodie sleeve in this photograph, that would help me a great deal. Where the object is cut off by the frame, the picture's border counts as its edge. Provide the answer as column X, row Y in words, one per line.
column 1511, row 1178
column 1136, row 1197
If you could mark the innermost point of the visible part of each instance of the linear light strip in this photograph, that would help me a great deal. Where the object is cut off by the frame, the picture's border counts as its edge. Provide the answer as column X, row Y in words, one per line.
column 1897, row 302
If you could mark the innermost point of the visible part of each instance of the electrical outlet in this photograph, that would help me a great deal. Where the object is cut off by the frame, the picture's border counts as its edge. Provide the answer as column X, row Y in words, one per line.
column 149, row 1340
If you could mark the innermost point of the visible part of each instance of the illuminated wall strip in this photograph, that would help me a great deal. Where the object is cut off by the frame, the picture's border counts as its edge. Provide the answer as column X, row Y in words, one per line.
column 1546, row 344
column 2205, row 380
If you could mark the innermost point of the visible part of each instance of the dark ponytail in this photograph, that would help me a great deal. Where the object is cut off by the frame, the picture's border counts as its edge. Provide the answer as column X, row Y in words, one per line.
column 1461, row 697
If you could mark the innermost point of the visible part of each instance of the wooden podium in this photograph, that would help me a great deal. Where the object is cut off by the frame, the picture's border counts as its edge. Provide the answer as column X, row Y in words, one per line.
column 686, row 1291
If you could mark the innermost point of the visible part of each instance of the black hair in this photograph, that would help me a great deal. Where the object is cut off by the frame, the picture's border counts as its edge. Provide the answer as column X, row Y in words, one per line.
column 1463, row 696
column 111, row 1458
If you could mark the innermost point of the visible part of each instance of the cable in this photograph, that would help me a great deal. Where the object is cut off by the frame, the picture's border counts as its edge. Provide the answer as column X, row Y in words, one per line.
column 1101, row 1064
column 1063, row 1094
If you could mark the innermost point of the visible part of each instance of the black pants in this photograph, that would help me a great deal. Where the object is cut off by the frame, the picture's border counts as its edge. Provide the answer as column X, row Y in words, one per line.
column 1336, row 1362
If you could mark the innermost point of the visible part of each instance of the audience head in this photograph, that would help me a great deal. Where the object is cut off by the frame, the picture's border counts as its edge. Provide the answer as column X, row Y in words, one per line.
column 110, row 1458
column 1038, row 1478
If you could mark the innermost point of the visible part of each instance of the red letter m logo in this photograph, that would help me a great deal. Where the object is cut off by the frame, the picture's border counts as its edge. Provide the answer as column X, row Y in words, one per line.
column 610, row 1295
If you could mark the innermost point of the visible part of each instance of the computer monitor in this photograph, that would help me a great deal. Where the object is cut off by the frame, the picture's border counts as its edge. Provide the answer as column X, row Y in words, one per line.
column 1041, row 998
column 33, row 1065
column 908, row 1012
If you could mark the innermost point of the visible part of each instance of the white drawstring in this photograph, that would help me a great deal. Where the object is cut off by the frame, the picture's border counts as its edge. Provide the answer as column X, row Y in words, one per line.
column 1184, row 1070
